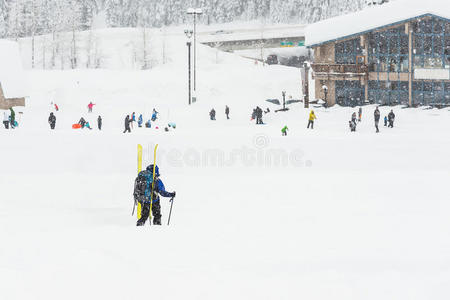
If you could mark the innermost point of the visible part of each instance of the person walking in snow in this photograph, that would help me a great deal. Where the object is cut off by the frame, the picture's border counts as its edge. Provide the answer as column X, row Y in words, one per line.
column 359, row 114
column 284, row 131
column 99, row 122
column 377, row 115
column 227, row 112
column 312, row 117
column 6, row 119
column 259, row 114
column 56, row 107
column 391, row 118
column 212, row 115
column 52, row 121
column 352, row 122
column 127, row 124
column 385, row 121
column 90, row 106
column 144, row 194
column 140, row 120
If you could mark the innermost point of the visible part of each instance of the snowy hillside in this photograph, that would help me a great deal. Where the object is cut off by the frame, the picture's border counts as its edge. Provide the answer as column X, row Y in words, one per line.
column 20, row 18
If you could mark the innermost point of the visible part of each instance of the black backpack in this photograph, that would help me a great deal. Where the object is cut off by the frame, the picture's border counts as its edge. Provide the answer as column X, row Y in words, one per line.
column 143, row 186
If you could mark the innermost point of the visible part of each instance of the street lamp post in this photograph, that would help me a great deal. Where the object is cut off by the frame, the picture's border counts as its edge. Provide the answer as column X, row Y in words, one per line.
column 189, row 35
column 325, row 92
column 195, row 12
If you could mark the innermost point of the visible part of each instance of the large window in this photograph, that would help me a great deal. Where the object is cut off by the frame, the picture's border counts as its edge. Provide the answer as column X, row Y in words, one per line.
column 388, row 51
column 347, row 51
column 431, row 92
column 349, row 93
column 431, row 44
column 388, row 92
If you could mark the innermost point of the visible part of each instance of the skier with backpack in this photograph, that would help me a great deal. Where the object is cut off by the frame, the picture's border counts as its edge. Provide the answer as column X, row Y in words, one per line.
column 147, row 186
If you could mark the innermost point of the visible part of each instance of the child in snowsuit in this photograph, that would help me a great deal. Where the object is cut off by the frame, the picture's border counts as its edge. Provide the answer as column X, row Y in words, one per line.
column 140, row 121
column 212, row 115
column 391, row 118
column 284, row 131
column 385, row 121
column 144, row 194
column 52, row 121
column 82, row 122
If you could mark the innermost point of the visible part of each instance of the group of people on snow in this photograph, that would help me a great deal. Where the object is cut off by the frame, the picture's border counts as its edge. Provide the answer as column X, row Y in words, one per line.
column 129, row 121
column 390, row 118
column 212, row 113
column 257, row 115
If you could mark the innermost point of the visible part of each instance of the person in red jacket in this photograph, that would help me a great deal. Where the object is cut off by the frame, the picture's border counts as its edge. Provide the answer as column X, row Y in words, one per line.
column 90, row 106
column 56, row 107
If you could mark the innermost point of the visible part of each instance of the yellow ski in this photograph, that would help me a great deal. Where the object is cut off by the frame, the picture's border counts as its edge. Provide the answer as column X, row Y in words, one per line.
column 153, row 185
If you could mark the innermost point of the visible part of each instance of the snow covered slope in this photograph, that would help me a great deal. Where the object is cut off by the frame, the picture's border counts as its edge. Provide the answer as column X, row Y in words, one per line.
column 319, row 214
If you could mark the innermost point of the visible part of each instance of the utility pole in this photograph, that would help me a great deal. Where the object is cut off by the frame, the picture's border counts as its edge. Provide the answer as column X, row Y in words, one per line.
column 195, row 12
column 189, row 35
column 306, row 95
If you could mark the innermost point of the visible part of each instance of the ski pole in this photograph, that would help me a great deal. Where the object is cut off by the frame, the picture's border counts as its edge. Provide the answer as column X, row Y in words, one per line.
column 170, row 213
column 134, row 205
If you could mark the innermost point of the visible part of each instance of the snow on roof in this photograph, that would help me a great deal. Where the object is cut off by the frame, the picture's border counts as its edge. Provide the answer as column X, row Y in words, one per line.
column 12, row 76
column 373, row 17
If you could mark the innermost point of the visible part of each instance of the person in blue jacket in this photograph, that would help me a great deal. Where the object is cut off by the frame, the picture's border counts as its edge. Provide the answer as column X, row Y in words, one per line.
column 140, row 121
column 143, row 194
column 154, row 115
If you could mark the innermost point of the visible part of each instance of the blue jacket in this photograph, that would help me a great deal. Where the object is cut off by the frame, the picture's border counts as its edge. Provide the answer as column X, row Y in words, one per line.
column 140, row 120
column 159, row 189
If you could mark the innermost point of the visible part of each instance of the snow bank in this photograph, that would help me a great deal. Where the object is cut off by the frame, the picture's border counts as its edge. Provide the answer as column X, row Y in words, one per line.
column 373, row 17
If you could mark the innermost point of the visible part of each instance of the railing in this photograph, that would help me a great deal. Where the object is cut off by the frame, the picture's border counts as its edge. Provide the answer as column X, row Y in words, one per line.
column 337, row 69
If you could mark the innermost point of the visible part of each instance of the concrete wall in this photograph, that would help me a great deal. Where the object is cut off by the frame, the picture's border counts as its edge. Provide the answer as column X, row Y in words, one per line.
column 324, row 54
column 10, row 102
column 331, row 96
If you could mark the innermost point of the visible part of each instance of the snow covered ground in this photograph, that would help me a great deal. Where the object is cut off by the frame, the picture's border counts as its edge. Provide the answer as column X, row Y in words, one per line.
column 319, row 214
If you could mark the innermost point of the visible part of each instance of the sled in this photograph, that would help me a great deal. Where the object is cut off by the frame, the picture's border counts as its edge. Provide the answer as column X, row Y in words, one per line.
column 76, row 126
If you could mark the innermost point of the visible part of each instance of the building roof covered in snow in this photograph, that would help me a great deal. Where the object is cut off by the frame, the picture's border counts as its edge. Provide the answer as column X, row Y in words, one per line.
column 373, row 17
column 12, row 76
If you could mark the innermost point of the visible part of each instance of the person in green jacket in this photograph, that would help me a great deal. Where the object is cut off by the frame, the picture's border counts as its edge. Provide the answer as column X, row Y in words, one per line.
column 284, row 131
column 12, row 119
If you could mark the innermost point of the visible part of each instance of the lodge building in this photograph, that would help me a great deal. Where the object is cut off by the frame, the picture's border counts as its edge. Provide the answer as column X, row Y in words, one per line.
column 396, row 53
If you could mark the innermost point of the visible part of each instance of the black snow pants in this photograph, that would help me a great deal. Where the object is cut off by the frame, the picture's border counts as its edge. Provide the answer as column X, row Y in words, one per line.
column 156, row 212
column 127, row 128
column 52, row 125
column 311, row 123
